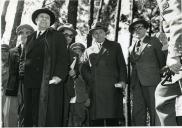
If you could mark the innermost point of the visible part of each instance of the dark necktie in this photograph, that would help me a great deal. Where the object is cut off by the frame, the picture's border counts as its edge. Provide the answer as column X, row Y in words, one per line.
column 137, row 47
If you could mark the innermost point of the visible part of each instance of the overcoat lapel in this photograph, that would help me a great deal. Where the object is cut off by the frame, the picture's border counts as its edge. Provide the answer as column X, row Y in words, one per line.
column 146, row 42
column 102, row 51
column 30, row 42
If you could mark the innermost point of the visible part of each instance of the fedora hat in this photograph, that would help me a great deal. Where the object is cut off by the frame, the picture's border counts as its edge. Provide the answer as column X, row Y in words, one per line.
column 20, row 27
column 67, row 26
column 138, row 21
column 43, row 10
column 97, row 25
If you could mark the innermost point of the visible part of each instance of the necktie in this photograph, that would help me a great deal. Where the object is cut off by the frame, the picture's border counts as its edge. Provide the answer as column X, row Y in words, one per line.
column 138, row 46
column 100, row 45
column 39, row 34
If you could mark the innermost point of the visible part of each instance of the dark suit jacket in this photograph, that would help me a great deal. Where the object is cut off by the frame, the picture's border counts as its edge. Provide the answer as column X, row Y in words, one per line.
column 107, row 68
column 13, row 79
column 146, row 67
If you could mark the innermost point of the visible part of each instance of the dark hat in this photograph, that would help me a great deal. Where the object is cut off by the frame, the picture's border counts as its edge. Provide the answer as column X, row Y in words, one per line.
column 77, row 45
column 43, row 10
column 20, row 27
column 4, row 47
column 67, row 26
column 98, row 25
column 138, row 21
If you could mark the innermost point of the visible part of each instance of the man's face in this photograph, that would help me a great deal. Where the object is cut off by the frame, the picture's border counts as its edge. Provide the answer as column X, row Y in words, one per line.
column 139, row 31
column 99, row 35
column 22, row 35
column 43, row 21
column 78, row 51
column 68, row 35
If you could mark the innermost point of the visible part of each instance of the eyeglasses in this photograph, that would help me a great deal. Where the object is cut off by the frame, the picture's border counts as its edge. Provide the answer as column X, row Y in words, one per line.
column 68, row 35
column 138, row 27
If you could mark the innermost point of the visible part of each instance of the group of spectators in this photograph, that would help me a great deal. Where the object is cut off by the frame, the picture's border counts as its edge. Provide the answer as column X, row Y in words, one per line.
column 54, row 82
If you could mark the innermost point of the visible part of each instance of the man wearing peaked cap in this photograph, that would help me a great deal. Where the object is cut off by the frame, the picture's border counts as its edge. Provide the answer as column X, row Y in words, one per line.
column 45, row 70
column 106, row 76
column 20, row 27
column 13, row 86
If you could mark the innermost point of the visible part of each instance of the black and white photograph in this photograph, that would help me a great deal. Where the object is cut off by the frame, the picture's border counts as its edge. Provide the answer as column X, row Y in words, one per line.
column 91, row 63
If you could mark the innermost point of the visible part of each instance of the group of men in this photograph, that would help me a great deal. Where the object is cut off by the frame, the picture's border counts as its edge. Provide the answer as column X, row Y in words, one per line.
column 63, row 84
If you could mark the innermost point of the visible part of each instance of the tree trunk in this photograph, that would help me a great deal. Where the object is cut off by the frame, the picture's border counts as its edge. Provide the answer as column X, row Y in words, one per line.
column 128, row 101
column 90, row 22
column 44, row 3
column 72, row 13
column 17, row 21
column 118, row 9
column 100, row 10
column 3, row 15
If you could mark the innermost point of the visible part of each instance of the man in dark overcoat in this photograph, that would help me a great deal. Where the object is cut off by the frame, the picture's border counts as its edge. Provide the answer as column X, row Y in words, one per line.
column 107, row 77
column 46, row 66
column 147, row 59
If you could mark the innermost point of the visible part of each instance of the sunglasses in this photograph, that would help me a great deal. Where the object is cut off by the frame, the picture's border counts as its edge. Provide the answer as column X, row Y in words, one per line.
column 68, row 35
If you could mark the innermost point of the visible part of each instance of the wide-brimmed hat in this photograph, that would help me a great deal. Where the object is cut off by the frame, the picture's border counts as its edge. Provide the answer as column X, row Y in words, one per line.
column 20, row 27
column 97, row 25
column 67, row 26
column 138, row 21
column 77, row 45
column 43, row 10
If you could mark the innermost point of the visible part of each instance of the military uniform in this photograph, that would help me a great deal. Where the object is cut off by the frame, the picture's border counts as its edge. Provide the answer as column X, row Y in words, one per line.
column 171, row 11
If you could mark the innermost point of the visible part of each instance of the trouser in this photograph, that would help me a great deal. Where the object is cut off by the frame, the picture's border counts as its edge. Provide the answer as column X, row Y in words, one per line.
column 78, row 115
column 54, row 114
column 165, row 103
column 143, row 100
column 104, row 122
column 31, row 106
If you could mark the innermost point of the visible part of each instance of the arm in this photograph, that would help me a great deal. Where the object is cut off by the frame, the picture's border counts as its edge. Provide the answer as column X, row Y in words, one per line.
column 12, row 85
column 61, row 63
column 121, row 65
column 159, row 53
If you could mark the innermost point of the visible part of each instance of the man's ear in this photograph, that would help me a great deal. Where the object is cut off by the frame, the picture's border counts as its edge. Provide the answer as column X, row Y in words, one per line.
column 36, row 20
